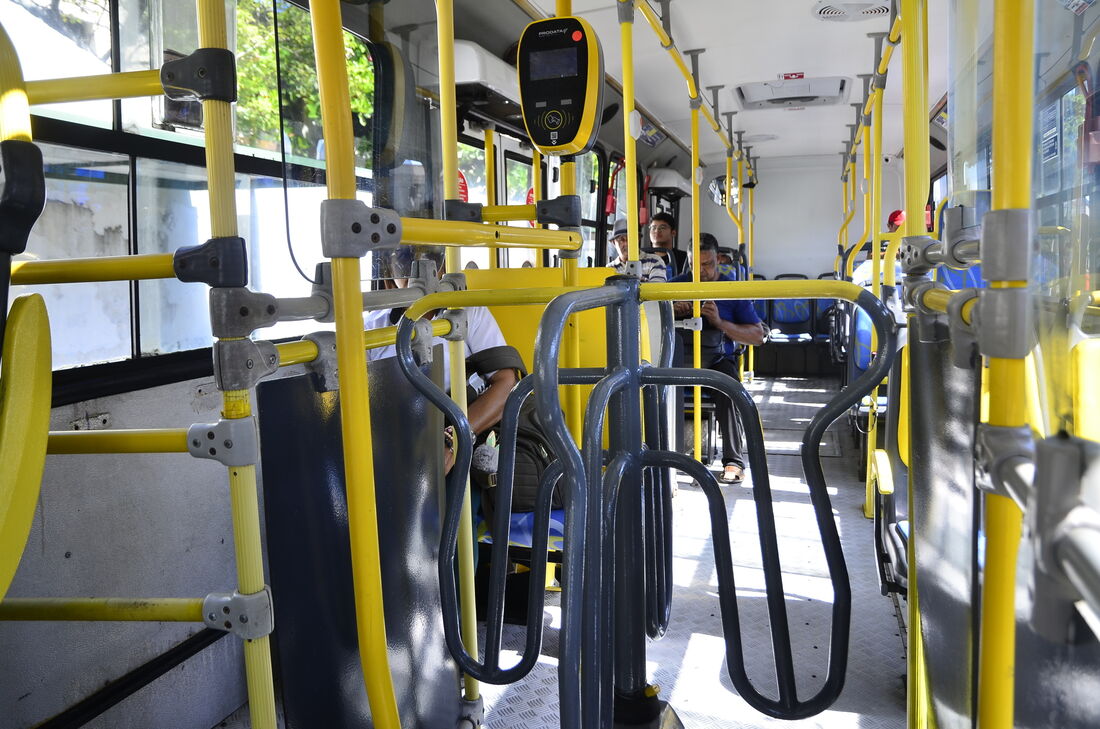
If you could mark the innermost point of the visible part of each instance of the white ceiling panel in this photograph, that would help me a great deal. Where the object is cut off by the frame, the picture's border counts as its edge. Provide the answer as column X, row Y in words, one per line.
column 758, row 40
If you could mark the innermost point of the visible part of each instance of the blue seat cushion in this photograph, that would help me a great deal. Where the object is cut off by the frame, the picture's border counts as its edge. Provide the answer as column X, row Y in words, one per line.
column 523, row 530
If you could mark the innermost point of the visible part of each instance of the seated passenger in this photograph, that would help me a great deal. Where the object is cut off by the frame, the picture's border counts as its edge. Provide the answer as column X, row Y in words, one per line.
column 727, row 325
column 653, row 268
column 662, row 236
column 483, row 333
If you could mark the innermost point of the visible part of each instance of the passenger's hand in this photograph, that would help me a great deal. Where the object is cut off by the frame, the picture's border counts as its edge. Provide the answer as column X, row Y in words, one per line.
column 682, row 309
column 448, row 449
column 709, row 310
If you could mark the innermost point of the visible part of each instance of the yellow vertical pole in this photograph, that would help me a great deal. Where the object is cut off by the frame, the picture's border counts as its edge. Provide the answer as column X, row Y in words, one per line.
column 236, row 404
column 448, row 125
column 491, row 185
column 15, row 110
column 915, row 96
column 1013, row 97
column 752, row 257
column 571, row 345
column 870, row 153
column 536, row 187
column 875, row 152
column 741, row 361
column 332, row 79
column 630, row 145
column 696, row 335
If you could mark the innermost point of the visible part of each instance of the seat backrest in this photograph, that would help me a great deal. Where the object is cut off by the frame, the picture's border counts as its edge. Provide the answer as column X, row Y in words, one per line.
column 762, row 306
column 792, row 316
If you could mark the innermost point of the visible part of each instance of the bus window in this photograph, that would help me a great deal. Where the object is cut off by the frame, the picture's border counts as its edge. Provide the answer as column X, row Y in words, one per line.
column 518, row 184
column 86, row 215
column 471, row 168
column 78, row 36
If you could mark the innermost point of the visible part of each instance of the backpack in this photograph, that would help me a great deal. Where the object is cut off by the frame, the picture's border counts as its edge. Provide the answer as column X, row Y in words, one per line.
column 533, row 452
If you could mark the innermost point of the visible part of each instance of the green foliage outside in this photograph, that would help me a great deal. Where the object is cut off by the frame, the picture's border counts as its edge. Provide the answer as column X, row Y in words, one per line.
column 258, row 105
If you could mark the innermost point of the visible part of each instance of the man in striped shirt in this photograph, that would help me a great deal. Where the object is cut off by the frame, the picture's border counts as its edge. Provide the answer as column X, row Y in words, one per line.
column 653, row 268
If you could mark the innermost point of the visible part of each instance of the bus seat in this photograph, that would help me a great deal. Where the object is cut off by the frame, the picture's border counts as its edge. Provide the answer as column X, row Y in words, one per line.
column 762, row 306
column 25, row 395
column 824, row 310
column 970, row 278
column 792, row 320
column 523, row 529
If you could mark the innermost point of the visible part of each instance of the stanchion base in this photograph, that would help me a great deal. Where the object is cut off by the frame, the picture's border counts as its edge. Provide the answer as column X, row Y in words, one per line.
column 667, row 719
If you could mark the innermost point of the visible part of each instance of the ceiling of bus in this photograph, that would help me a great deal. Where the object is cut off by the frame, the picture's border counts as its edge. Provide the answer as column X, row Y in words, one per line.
column 758, row 40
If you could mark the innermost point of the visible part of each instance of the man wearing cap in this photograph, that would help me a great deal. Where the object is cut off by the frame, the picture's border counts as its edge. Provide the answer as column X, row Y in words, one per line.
column 653, row 268
column 895, row 221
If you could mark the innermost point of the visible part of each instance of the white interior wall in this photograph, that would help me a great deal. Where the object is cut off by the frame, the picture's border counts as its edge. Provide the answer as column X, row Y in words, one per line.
column 798, row 214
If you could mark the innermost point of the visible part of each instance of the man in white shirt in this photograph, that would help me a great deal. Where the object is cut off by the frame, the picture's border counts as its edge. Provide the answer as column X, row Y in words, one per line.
column 653, row 267
column 483, row 333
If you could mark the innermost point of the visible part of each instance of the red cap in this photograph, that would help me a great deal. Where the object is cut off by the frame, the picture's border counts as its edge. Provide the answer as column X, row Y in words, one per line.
column 896, row 218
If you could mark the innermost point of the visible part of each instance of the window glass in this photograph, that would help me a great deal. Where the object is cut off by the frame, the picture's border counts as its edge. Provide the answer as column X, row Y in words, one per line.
column 78, row 36
column 518, row 189
column 86, row 215
column 174, row 211
column 471, row 168
column 153, row 31
column 588, row 175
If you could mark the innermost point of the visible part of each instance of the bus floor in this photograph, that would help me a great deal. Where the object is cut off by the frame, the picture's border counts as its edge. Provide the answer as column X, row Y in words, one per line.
column 688, row 663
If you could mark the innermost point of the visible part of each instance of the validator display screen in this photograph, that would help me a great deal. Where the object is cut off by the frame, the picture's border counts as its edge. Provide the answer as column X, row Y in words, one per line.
column 558, row 63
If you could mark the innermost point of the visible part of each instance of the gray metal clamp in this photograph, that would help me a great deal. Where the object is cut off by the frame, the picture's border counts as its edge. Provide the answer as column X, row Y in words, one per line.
column 241, row 363
column 1006, row 245
column 237, row 312
column 350, row 229
column 913, row 290
column 1006, row 323
column 459, row 325
column 563, row 211
column 962, row 233
column 219, row 263
column 916, row 254
column 247, row 616
column 208, row 74
column 461, row 210
column 230, row 441
column 422, row 341
column 964, row 338
column 324, row 367
column 999, row 450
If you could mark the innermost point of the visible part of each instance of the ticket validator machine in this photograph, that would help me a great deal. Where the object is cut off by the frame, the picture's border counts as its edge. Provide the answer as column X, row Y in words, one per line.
column 561, row 81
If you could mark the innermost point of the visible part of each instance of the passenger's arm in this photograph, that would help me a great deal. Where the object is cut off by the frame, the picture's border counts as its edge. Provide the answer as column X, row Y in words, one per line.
column 751, row 334
column 485, row 412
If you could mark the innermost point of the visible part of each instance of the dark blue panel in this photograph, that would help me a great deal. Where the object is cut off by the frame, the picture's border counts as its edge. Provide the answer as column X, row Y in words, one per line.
column 305, row 505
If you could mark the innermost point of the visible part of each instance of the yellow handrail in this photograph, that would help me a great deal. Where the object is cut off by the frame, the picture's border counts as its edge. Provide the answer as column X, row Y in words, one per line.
column 332, row 78
column 448, row 132
column 217, row 122
column 677, row 58
column 142, row 267
column 696, row 334
column 427, row 231
column 915, row 94
column 729, row 198
column 103, row 609
column 630, row 145
column 491, row 185
column 162, row 440
column 126, row 85
column 508, row 213
column 1013, row 99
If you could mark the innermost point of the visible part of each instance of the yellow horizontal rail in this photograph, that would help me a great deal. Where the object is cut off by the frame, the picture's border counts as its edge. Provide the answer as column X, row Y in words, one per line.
column 103, row 609
column 939, row 299
column 304, row 351
column 424, row 231
column 823, row 289
column 162, row 440
column 387, row 336
column 510, row 297
column 84, row 270
column 293, row 353
column 508, row 213
column 91, row 88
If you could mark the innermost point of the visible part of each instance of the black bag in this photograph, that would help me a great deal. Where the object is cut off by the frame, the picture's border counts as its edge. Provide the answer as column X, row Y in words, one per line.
column 533, row 452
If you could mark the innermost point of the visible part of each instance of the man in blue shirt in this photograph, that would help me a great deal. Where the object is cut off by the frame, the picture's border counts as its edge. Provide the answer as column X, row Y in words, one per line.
column 727, row 325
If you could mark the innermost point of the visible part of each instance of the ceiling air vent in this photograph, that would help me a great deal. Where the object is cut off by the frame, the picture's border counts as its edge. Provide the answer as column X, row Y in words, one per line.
column 778, row 94
column 847, row 12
